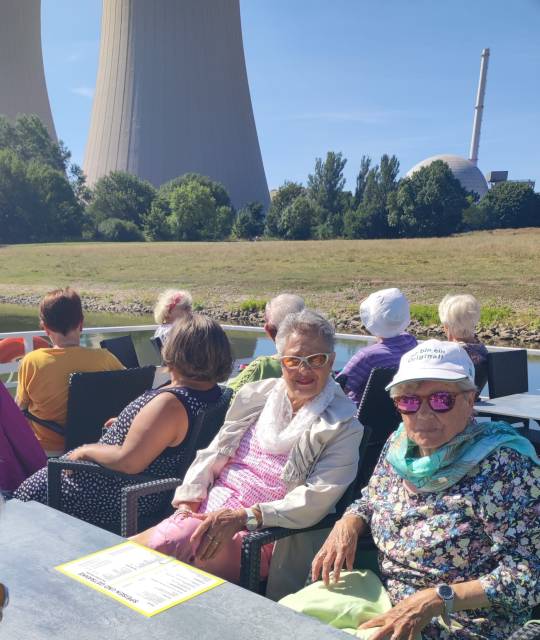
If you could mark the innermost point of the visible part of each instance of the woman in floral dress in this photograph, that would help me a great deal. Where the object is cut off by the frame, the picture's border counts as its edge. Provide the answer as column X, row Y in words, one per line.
column 454, row 510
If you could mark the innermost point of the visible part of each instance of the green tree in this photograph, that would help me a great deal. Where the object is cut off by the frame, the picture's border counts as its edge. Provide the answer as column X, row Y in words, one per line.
column 194, row 212
column 298, row 219
column 161, row 222
column 18, row 201
column 217, row 190
column 325, row 188
column 157, row 222
column 29, row 138
column 429, row 203
column 61, row 214
column 283, row 198
column 376, row 184
column 249, row 221
column 510, row 205
column 365, row 163
column 123, row 196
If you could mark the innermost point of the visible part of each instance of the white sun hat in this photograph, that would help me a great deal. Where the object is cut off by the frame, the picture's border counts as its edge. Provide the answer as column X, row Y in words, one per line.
column 385, row 313
column 434, row 360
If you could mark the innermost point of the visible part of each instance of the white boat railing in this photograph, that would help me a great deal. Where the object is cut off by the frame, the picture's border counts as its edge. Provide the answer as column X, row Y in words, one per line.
column 10, row 368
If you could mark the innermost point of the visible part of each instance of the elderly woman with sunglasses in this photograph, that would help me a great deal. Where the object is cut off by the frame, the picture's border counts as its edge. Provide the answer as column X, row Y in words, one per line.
column 285, row 455
column 454, row 510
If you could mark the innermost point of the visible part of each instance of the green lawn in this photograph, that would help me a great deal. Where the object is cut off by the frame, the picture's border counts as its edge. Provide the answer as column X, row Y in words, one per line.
column 501, row 268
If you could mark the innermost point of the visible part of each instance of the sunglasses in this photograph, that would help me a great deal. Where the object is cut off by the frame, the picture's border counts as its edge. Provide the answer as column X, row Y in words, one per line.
column 439, row 402
column 4, row 598
column 315, row 361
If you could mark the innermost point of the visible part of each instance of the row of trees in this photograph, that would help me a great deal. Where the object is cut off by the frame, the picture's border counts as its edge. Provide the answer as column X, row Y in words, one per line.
column 431, row 202
column 43, row 197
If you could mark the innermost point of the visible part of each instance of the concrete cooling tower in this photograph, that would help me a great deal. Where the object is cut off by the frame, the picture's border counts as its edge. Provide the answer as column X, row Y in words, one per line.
column 22, row 78
column 172, row 96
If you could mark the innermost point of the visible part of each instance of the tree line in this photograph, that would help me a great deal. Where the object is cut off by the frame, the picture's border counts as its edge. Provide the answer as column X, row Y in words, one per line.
column 44, row 197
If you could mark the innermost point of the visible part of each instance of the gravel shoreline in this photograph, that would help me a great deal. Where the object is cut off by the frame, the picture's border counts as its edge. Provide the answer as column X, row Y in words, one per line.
column 497, row 334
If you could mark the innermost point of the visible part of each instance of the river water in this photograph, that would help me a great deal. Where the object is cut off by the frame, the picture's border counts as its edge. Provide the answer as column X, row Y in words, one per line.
column 250, row 344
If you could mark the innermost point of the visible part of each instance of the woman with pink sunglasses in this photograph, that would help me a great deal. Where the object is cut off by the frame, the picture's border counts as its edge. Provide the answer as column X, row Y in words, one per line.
column 453, row 507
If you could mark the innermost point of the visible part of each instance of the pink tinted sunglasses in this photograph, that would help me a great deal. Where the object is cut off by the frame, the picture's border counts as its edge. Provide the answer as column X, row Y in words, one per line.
column 439, row 402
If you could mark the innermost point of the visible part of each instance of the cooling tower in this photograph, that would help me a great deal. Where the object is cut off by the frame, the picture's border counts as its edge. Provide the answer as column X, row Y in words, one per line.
column 172, row 96
column 22, row 78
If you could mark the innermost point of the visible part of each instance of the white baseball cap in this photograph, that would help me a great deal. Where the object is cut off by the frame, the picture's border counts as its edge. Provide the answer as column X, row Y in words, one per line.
column 434, row 360
column 385, row 313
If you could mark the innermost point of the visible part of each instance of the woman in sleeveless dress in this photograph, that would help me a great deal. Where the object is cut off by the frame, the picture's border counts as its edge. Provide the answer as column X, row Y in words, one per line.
column 148, row 435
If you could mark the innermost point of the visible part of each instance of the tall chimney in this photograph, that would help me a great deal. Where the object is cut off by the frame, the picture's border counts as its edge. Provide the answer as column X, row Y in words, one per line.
column 479, row 107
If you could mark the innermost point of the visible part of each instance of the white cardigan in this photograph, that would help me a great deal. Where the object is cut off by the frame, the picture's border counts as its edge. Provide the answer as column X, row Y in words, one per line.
column 320, row 466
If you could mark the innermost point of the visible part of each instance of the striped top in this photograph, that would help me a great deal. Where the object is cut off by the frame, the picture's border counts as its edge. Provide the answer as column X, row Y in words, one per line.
column 251, row 476
column 386, row 353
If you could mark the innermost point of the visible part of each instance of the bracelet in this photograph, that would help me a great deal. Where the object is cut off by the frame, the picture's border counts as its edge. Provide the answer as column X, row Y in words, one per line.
column 184, row 511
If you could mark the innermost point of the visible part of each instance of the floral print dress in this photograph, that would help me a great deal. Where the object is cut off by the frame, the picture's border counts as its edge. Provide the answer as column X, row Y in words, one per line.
column 486, row 527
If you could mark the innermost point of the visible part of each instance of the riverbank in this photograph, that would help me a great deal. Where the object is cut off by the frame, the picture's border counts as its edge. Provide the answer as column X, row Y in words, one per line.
column 20, row 313
column 231, row 281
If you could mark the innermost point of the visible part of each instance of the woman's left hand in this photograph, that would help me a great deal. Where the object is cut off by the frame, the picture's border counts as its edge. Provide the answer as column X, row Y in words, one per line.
column 80, row 453
column 215, row 529
column 406, row 620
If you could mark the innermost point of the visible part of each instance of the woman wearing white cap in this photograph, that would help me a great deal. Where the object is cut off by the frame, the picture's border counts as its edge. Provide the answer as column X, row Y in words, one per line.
column 385, row 314
column 454, row 510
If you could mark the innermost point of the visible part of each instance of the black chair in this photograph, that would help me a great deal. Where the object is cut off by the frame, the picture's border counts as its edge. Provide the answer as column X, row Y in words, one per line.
column 377, row 411
column 93, row 398
column 379, row 418
column 124, row 349
column 203, row 430
column 96, row 396
column 158, row 346
column 508, row 374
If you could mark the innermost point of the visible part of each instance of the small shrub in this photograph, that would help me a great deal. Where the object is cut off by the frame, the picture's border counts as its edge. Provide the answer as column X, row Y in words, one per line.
column 492, row 315
column 252, row 305
column 426, row 314
column 116, row 230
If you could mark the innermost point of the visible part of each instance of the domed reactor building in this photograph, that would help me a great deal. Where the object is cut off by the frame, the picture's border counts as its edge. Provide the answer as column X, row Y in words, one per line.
column 172, row 96
column 466, row 171
column 22, row 77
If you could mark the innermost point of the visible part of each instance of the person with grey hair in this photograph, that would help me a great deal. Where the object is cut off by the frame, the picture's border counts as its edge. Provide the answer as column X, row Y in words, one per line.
column 285, row 455
column 277, row 309
column 452, row 507
column 459, row 315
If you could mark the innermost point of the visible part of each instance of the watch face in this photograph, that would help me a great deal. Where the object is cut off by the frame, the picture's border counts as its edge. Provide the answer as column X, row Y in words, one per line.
column 445, row 592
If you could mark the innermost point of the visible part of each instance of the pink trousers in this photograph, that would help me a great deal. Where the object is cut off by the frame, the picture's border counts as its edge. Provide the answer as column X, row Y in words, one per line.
column 171, row 536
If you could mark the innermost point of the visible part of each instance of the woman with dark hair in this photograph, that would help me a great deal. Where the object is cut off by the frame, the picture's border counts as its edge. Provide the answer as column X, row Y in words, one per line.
column 148, row 434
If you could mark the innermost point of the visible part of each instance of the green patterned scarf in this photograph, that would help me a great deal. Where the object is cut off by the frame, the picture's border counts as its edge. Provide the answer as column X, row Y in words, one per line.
column 452, row 461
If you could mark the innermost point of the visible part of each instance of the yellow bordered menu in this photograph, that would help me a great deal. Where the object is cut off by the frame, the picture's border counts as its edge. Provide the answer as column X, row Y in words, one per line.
column 141, row 578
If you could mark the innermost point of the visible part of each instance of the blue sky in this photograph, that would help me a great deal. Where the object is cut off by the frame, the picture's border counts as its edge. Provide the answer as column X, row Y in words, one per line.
column 357, row 76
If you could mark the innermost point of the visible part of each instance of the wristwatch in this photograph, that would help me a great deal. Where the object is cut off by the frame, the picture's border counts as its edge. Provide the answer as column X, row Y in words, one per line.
column 252, row 524
column 446, row 594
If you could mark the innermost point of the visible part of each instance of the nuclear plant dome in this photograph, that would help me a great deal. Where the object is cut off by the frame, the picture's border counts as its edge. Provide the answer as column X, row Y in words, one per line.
column 464, row 170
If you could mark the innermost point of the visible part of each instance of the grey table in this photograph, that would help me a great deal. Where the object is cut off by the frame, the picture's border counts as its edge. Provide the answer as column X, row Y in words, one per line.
column 45, row 604
column 521, row 405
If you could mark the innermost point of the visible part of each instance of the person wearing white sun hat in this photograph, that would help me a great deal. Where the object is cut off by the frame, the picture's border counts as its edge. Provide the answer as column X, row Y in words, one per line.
column 453, row 507
column 384, row 314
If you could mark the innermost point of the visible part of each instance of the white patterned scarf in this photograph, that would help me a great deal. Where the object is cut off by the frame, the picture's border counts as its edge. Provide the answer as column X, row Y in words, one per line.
column 277, row 429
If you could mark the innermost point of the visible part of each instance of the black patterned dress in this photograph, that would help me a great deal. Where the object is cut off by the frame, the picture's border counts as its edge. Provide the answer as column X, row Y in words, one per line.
column 96, row 498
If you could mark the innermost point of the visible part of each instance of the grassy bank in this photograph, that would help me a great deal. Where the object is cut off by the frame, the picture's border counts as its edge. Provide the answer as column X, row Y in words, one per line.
column 500, row 268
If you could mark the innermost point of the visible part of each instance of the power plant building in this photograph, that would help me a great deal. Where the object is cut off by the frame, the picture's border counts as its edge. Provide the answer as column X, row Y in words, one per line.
column 172, row 96
column 22, row 77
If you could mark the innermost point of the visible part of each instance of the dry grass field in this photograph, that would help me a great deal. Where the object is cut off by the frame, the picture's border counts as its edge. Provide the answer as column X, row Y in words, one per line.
column 501, row 268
